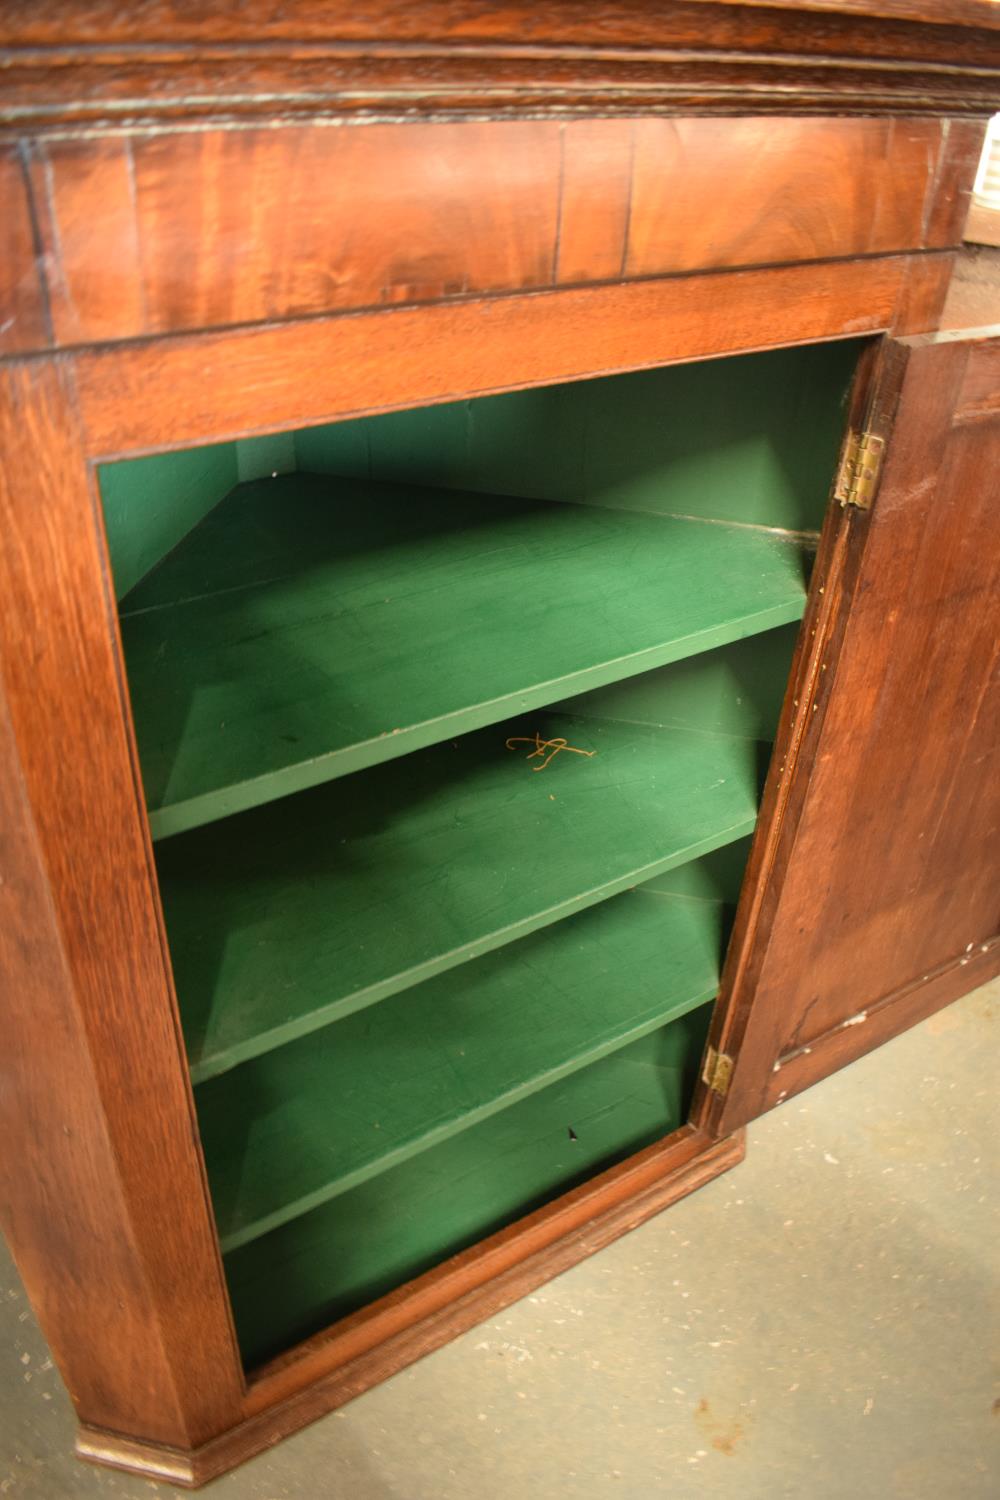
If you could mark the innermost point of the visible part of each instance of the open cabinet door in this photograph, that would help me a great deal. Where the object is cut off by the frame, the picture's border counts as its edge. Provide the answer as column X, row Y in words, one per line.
column 873, row 894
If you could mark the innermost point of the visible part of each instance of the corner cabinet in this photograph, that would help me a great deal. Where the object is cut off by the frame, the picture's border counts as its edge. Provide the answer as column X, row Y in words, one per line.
column 498, row 630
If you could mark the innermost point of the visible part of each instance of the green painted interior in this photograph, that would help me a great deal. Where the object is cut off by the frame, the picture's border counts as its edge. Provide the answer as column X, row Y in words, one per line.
column 311, row 627
column 735, row 690
column 313, row 1119
column 425, row 987
column 751, row 440
column 266, row 457
column 150, row 504
column 323, row 1265
column 429, row 861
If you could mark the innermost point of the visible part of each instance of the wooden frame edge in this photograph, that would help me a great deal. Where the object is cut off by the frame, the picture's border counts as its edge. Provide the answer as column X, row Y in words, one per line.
column 325, row 1372
column 155, row 395
column 872, row 405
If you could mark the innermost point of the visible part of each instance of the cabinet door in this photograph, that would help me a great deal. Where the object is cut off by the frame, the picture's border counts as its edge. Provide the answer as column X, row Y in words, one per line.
column 873, row 894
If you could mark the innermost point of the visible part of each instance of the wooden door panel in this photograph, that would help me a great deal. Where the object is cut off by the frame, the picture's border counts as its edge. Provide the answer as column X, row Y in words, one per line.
column 878, row 866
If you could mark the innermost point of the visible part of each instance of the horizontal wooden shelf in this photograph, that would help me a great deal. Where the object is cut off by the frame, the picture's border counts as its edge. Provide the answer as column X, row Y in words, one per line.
column 311, row 626
column 285, row 918
column 325, row 1264
column 290, row 1130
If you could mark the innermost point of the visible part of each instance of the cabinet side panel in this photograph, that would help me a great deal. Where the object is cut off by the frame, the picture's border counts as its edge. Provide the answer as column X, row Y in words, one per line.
column 62, row 1203
column 951, row 191
column 103, row 1194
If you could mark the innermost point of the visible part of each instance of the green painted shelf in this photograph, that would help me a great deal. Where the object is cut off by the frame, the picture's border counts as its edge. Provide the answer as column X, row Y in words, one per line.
column 285, row 918
column 313, row 626
column 301, row 1124
column 327, row 1263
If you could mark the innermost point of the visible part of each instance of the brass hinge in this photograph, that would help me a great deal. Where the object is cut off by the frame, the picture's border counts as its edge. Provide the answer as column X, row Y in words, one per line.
column 860, row 467
column 717, row 1071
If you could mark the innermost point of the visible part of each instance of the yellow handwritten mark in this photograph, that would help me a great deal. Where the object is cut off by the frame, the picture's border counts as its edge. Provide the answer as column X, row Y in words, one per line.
column 552, row 746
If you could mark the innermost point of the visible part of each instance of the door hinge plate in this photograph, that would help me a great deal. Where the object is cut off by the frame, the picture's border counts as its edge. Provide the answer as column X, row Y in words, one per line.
column 717, row 1071
column 860, row 467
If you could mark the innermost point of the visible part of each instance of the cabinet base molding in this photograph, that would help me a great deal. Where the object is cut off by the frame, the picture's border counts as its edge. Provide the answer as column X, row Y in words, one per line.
column 340, row 1363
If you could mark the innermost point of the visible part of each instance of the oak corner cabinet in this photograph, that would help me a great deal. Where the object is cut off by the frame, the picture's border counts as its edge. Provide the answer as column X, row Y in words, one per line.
column 499, row 595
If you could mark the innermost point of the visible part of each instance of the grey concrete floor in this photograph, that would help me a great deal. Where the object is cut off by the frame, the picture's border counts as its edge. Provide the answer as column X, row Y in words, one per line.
column 818, row 1323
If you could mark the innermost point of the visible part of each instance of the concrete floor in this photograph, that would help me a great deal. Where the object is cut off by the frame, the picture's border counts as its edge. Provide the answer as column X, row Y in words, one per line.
column 816, row 1324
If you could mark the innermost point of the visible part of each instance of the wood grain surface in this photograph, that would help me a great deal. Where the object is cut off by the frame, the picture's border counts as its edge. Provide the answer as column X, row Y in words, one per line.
column 176, row 231
column 24, row 320
column 205, row 387
column 887, row 866
column 973, row 299
column 104, row 1200
column 889, row 1016
column 341, row 1363
column 84, row 204
column 68, row 62
column 256, row 218
column 950, row 198
column 924, row 292
column 54, row 22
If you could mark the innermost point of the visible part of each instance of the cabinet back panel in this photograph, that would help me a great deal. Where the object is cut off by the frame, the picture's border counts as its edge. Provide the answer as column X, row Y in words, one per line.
column 151, row 504
column 751, row 439
column 735, row 690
